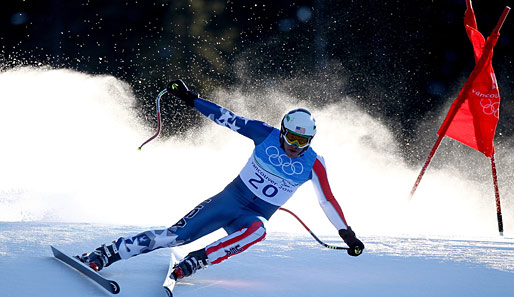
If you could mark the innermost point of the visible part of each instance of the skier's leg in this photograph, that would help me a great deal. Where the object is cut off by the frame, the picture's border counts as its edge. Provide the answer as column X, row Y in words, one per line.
column 247, row 231
column 207, row 217
column 251, row 230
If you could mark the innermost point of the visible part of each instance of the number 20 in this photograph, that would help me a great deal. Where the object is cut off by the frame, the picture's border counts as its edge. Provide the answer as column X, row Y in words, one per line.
column 268, row 190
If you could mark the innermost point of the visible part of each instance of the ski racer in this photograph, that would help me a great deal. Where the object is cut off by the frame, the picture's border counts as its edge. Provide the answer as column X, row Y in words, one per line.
column 280, row 163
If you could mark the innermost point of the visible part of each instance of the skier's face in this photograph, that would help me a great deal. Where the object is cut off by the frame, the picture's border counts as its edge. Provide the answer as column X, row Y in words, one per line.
column 292, row 151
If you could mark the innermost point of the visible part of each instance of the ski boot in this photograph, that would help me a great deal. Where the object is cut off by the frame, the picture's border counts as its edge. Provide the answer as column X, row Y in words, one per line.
column 101, row 257
column 193, row 262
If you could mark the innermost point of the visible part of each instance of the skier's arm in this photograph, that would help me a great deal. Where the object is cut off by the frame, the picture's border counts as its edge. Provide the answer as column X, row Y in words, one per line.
column 255, row 130
column 326, row 199
column 332, row 209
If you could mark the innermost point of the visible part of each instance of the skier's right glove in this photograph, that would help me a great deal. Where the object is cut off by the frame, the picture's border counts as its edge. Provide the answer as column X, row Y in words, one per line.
column 355, row 246
column 179, row 89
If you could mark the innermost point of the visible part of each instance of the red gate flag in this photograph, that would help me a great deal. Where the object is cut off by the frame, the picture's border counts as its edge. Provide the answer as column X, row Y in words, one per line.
column 473, row 116
column 478, row 102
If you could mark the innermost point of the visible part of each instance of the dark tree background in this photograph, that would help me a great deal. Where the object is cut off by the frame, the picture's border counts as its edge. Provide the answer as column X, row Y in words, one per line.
column 401, row 61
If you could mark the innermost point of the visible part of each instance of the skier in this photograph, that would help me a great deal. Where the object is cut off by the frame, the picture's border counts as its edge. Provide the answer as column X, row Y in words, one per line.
column 281, row 161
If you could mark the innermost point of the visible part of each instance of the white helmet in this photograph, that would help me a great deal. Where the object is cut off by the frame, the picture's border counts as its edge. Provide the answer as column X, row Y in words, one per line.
column 298, row 127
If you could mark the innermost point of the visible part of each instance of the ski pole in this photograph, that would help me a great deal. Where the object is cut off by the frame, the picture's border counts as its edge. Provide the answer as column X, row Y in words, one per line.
column 158, row 118
column 312, row 234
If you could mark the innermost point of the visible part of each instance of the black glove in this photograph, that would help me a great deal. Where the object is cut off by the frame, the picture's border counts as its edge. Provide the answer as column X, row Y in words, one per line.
column 356, row 246
column 179, row 89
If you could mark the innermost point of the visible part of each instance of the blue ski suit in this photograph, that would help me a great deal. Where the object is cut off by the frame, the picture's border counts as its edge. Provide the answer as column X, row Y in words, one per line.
column 265, row 183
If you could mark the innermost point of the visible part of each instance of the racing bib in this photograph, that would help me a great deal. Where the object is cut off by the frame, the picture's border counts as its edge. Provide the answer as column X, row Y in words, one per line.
column 271, row 175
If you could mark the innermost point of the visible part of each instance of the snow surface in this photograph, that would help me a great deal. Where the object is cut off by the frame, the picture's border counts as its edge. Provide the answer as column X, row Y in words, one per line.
column 282, row 265
column 71, row 176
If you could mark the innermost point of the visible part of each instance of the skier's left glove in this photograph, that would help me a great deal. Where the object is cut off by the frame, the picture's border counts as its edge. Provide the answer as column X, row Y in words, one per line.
column 179, row 89
column 356, row 246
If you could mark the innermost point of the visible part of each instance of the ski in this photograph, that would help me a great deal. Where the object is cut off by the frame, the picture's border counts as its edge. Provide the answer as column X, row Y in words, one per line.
column 169, row 281
column 109, row 285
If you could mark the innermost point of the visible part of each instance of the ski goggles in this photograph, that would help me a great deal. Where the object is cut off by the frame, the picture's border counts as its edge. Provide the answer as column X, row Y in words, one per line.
column 296, row 139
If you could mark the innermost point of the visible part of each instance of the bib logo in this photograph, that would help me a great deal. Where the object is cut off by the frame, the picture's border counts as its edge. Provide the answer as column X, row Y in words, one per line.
column 283, row 161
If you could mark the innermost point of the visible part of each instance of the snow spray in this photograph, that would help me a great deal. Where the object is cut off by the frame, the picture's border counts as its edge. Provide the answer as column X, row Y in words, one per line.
column 69, row 159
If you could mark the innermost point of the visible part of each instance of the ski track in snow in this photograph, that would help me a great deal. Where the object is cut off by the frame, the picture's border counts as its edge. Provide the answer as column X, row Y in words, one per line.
column 282, row 265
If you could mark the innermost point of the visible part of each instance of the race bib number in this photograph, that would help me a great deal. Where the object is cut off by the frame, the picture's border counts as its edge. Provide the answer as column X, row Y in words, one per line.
column 269, row 187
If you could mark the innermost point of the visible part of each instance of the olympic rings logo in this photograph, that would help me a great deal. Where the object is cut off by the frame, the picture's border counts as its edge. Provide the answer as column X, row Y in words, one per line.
column 282, row 160
column 490, row 108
